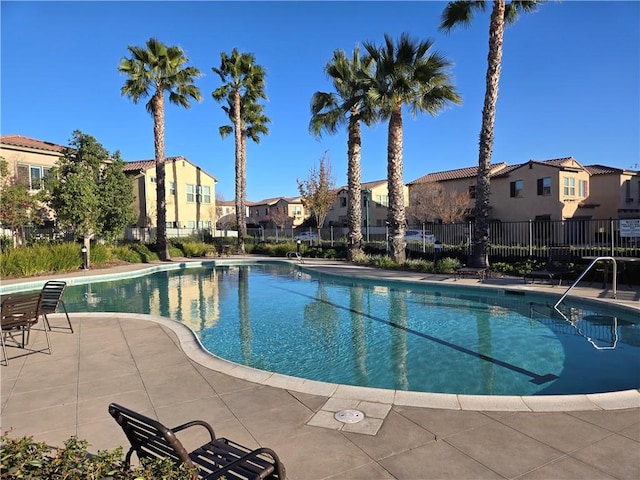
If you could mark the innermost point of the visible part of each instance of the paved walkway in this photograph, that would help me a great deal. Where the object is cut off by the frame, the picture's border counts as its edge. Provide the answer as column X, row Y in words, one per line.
column 155, row 366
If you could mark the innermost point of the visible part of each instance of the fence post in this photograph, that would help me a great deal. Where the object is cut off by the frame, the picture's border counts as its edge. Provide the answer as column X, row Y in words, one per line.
column 612, row 238
column 530, row 238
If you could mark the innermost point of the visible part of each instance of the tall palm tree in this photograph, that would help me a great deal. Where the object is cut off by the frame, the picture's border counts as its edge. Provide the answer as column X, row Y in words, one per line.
column 253, row 123
column 347, row 105
column 243, row 85
column 461, row 13
column 153, row 71
column 410, row 74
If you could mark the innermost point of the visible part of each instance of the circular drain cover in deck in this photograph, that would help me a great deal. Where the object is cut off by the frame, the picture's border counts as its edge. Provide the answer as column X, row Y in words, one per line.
column 349, row 416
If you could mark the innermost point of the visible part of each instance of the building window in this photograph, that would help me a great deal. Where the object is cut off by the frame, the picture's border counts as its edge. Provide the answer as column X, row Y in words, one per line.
column 544, row 186
column 343, row 201
column 191, row 224
column 516, row 188
column 583, row 188
column 206, row 194
column 472, row 191
column 569, row 186
column 191, row 193
column 382, row 201
column 31, row 176
column 172, row 188
column 296, row 211
column 154, row 180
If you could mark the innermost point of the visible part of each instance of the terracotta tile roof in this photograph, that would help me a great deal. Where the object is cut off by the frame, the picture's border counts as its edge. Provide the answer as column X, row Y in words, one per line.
column 363, row 186
column 26, row 142
column 554, row 162
column 602, row 169
column 139, row 165
column 272, row 201
column 457, row 174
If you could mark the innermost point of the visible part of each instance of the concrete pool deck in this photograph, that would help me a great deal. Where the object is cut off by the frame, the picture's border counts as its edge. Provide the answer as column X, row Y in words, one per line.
column 155, row 366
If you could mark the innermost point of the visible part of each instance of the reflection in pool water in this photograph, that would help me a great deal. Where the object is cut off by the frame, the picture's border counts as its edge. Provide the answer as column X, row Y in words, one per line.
column 388, row 335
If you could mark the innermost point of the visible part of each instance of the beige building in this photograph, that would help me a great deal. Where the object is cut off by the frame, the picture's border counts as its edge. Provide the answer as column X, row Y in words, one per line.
column 557, row 189
column 283, row 212
column 29, row 159
column 375, row 203
column 614, row 192
column 539, row 190
column 190, row 195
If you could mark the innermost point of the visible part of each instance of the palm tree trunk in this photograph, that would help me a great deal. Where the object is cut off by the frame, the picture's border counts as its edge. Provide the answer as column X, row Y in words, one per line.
column 354, row 208
column 479, row 255
column 240, row 180
column 161, row 200
column 396, row 216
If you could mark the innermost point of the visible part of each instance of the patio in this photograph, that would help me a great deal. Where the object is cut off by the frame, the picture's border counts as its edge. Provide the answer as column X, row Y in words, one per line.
column 154, row 368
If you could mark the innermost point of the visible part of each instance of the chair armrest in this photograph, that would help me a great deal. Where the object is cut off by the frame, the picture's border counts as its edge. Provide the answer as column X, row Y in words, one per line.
column 195, row 423
column 278, row 466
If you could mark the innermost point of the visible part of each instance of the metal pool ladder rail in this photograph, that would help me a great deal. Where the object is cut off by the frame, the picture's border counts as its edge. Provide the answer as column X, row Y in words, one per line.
column 593, row 262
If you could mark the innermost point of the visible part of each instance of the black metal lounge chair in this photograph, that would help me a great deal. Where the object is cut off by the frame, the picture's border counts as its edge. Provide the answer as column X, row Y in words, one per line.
column 480, row 272
column 20, row 313
column 558, row 266
column 52, row 298
column 218, row 458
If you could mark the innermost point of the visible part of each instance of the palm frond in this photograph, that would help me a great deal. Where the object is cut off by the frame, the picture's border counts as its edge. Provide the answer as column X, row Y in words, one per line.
column 459, row 13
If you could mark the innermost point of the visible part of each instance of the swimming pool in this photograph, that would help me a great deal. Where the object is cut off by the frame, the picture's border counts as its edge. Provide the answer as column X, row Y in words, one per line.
column 417, row 337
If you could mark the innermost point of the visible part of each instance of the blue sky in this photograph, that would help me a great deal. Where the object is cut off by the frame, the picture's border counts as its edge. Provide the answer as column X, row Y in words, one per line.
column 569, row 86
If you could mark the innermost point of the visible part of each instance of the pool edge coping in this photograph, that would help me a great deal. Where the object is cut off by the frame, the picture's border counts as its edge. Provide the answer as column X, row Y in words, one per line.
column 195, row 351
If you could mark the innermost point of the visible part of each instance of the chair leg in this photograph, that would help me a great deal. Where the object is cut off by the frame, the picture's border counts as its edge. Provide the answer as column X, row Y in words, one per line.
column 4, row 350
column 64, row 307
column 67, row 314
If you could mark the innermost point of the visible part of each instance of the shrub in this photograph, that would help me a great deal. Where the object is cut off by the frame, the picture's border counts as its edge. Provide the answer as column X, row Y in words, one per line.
column 100, row 254
column 146, row 255
column 419, row 265
column 126, row 254
column 65, row 257
column 196, row 249
column 447, row 265
column 26, row 458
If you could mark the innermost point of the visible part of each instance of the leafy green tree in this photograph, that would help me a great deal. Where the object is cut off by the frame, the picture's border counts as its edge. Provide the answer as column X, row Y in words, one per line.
column 318, row 191
column 17, row 206
column 243, row 86
column 88, row 190
column 153, row 71
column 348, row 105
column 461, row 13
column 407, row 73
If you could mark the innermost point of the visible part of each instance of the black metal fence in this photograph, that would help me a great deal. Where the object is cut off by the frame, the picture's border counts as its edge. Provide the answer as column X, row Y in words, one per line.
column 528, row 239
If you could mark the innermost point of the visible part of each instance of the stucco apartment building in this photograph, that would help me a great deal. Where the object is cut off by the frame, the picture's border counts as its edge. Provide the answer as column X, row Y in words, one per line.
column 191, row 200
column 29, row 159
column 190, row 190
column 557, row 189
column 283, row 212
column 375, row 203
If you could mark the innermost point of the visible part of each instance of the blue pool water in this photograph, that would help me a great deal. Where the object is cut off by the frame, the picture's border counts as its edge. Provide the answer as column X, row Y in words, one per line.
column 278, row 318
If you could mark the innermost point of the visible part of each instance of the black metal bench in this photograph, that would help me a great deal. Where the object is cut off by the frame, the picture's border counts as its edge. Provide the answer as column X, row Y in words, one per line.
column 217, row 458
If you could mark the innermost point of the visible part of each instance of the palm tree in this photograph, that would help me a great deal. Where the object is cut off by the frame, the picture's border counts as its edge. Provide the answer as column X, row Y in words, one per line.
column 461, row 13
column 411, row 74
column 253, row 124
column 348, row 105
column 153, row 71
column 243, row 85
